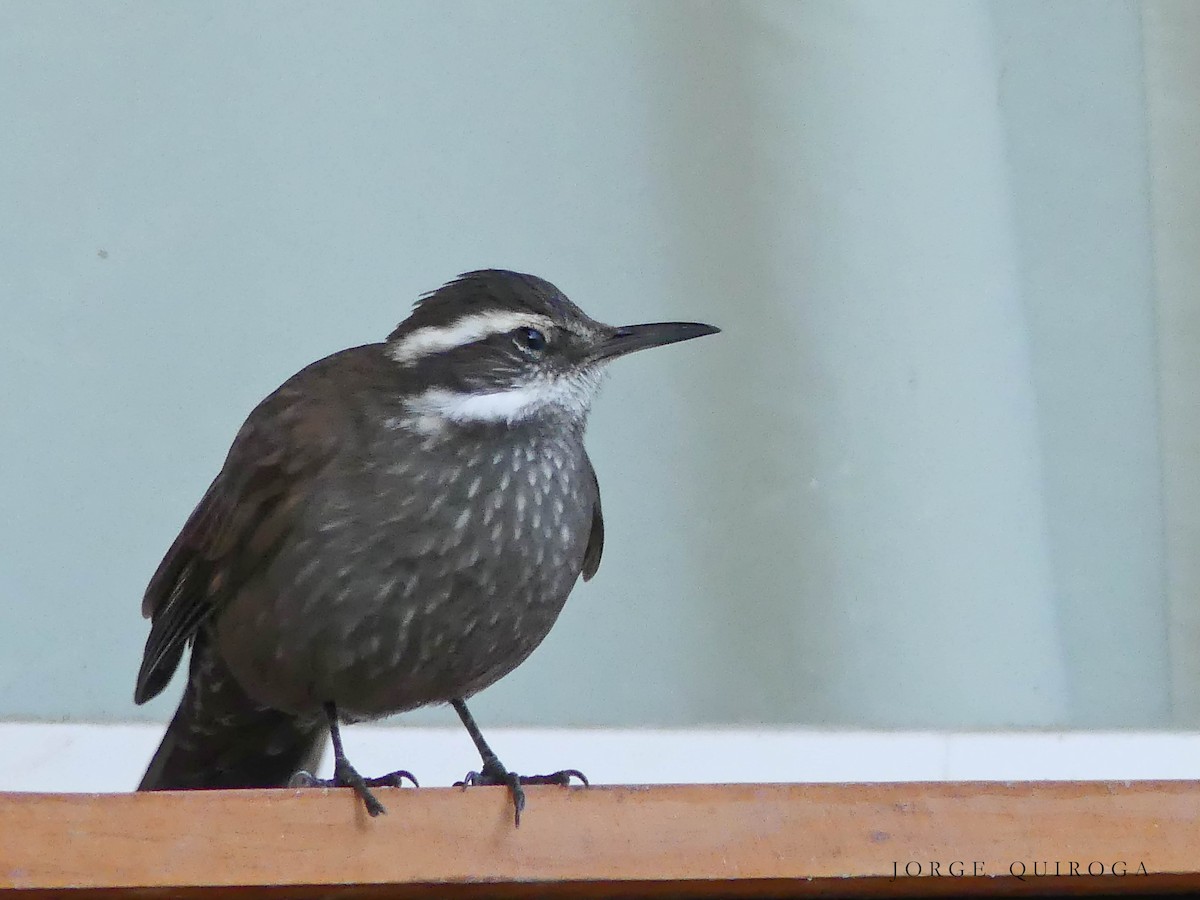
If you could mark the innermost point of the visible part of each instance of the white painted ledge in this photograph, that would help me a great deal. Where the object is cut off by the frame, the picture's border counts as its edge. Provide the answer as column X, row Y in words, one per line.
column 91, row 757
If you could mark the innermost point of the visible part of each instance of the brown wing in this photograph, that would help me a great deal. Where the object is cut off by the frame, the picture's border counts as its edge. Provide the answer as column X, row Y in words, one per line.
column 595, row 544
column 247, row 511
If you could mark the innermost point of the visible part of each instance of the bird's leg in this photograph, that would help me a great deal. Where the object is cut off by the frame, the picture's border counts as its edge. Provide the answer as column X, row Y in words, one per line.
column 345, row 775
column 493, row 771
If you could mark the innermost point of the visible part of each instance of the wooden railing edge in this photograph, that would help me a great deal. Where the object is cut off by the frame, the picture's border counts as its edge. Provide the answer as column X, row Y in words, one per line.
column 682, row 840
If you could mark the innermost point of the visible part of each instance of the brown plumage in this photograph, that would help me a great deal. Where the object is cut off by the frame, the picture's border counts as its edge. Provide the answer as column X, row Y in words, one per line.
column 399, row 524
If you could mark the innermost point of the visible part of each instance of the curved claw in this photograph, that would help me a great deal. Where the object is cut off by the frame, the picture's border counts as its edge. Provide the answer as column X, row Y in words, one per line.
column 495, row 778
column 340, row 779
column 392, row 779
column 303, row 779
column 347, row 776
column 561, row 777
column 513, row 782
column 468, row 780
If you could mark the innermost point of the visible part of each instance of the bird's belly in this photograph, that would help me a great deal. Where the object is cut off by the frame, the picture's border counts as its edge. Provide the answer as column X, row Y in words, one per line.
column 456, row 646
column 381, row 617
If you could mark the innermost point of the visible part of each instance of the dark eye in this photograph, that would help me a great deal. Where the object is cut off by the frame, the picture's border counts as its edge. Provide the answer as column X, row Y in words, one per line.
column 530, row 339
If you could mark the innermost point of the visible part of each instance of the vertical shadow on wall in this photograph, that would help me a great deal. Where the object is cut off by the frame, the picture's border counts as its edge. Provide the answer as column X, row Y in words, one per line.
column 758, row 551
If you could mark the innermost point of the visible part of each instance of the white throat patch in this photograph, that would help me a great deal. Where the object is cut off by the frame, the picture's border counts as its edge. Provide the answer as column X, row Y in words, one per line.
column 434, row 408
column 467, row 330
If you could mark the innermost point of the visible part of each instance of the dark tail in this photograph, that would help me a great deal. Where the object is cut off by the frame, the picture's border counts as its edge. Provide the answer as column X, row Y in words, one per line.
column 220, row 738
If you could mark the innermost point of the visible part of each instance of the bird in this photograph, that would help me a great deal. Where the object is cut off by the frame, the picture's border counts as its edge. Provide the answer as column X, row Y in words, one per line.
column 398, row 525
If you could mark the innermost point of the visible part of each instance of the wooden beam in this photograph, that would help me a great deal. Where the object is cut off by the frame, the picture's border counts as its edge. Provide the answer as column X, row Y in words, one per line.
column 684, row 840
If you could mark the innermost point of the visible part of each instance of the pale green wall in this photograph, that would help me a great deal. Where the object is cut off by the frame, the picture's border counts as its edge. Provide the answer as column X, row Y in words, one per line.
column 855, row 506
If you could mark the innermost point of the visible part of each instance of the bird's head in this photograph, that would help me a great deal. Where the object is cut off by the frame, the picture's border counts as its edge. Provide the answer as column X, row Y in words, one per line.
column 500, row 347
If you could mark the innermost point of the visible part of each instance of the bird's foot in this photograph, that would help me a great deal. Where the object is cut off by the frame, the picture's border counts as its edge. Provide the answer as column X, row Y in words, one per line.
column 345, row 775
column 392, row 779
column 498, row 775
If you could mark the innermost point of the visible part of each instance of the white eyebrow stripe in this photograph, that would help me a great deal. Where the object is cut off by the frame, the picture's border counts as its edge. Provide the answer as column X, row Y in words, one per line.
column 467, row 330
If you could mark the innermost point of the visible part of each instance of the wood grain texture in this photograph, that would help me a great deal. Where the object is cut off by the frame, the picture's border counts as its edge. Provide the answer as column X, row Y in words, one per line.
column 685, row 840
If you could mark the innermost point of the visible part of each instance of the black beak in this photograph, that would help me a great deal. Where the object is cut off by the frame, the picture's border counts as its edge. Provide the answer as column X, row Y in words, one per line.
column 629, row 338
